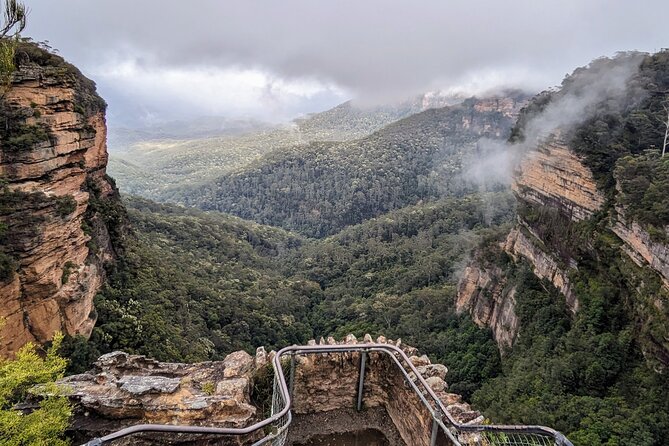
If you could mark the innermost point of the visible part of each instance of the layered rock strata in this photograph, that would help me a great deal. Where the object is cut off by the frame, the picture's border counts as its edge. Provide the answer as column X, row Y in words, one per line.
column 554, row 176
column 53, row 156
column 641, row 247
column 482, row 292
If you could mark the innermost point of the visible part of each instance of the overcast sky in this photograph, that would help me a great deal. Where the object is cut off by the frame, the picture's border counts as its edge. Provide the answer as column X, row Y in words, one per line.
column 161, row 59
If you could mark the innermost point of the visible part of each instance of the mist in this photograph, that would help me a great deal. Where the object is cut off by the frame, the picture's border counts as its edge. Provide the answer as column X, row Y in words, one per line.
column 605, row 79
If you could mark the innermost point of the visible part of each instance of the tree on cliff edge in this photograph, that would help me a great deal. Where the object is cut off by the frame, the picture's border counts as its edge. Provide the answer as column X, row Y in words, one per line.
column 14, row 21
column 46, row 424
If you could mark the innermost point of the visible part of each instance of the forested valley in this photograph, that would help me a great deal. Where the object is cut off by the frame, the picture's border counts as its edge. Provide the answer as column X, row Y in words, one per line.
column 371, row 235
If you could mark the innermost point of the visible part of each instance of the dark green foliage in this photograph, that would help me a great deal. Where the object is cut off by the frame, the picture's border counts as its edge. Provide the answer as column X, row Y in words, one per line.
column 395, row 276
column 65, row 205
column 194, row 286
column 618, row 125
column 8, row 266
column 583, row 374
column 79, row 352
column 643, row 182
column 21, row 137
column 67, row 270
column 323, row 187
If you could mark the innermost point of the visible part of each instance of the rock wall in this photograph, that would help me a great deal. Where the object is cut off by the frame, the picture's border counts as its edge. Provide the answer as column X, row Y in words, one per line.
column 53, row 156
column 552, row 175
column 641, row 248
column 124, row 390
column 483, row 292
column 327, row 383
column 521, row 243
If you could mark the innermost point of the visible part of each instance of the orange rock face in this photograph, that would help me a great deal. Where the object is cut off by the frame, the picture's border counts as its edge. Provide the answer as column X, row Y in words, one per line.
column 483, row 293
column 45, row 204
column 554, row 176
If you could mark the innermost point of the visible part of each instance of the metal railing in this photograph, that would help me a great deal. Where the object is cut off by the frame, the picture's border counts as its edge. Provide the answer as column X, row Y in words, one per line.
column 275, row 427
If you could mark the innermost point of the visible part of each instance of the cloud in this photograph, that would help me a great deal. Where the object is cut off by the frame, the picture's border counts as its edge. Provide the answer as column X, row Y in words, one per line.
column 374, row 50
column 161, row 93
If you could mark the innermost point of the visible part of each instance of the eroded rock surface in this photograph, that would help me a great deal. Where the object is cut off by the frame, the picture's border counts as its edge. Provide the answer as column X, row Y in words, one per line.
column 124, row 390
column 553, row 175
column 53, row 156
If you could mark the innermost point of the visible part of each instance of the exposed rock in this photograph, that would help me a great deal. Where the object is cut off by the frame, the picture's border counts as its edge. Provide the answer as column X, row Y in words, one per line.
column 237, row 364
column 544, row 266
column 140, row 385
column 49, row 186
column 125, row 389
column 482, row 292
column 554, row 176
column 641, row 248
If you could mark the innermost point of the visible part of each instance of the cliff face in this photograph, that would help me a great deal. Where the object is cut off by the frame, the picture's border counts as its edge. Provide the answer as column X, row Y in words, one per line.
column 557, row 191
column 483, row 292
column 640, row 246
column 53, row 156
column 554, row 176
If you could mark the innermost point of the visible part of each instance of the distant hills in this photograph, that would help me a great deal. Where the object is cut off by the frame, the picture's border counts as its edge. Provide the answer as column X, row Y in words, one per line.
column 319, row 188
column 154, row 161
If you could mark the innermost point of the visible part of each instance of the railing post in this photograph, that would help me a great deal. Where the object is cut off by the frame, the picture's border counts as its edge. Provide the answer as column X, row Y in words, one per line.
column 291, row 383
column 361, row 380
column 435, row 431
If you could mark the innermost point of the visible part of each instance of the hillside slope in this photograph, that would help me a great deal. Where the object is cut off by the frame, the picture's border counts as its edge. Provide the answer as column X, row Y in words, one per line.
column 323, row 187
column 576, row 293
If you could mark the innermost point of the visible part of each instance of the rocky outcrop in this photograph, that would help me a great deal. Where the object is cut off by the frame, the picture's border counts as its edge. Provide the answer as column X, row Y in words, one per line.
column 554, row 176
column 551, row 176
column 483, row 292
column 641, row 248
column 53, row 156
column 124, row 390
column 520, row 243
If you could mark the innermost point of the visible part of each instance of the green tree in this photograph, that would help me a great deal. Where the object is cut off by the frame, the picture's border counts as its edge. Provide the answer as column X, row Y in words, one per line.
column 14, row 21
column 46, row 424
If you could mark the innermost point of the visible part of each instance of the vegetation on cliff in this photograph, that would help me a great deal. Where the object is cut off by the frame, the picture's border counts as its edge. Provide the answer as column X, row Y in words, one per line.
column 583, row 374
column 597, row 374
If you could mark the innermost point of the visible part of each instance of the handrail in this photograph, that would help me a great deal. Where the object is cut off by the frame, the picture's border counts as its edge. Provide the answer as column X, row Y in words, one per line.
column 392, row 351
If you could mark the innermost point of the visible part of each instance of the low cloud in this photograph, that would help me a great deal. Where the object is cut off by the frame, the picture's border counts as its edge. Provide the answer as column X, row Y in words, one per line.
column 375, row 51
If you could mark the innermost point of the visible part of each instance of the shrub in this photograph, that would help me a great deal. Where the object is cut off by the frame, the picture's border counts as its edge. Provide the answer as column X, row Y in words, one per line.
column 65, row 205
column 46, row 424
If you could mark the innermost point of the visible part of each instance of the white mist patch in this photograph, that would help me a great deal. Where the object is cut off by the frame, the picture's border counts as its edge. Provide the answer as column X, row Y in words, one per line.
column 215, row 91
column 602, row 80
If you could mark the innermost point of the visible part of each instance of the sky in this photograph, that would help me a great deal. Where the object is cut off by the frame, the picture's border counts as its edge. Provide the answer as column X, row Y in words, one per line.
column 161, row 60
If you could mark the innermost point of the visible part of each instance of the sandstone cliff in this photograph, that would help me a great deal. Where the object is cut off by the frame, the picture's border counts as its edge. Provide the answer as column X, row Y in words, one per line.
column 484, row 293
column 556, row 191
column 552, row 175
column 56, row 240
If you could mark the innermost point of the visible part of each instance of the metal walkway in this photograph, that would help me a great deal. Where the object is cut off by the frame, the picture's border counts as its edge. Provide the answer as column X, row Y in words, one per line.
column 275, row 428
